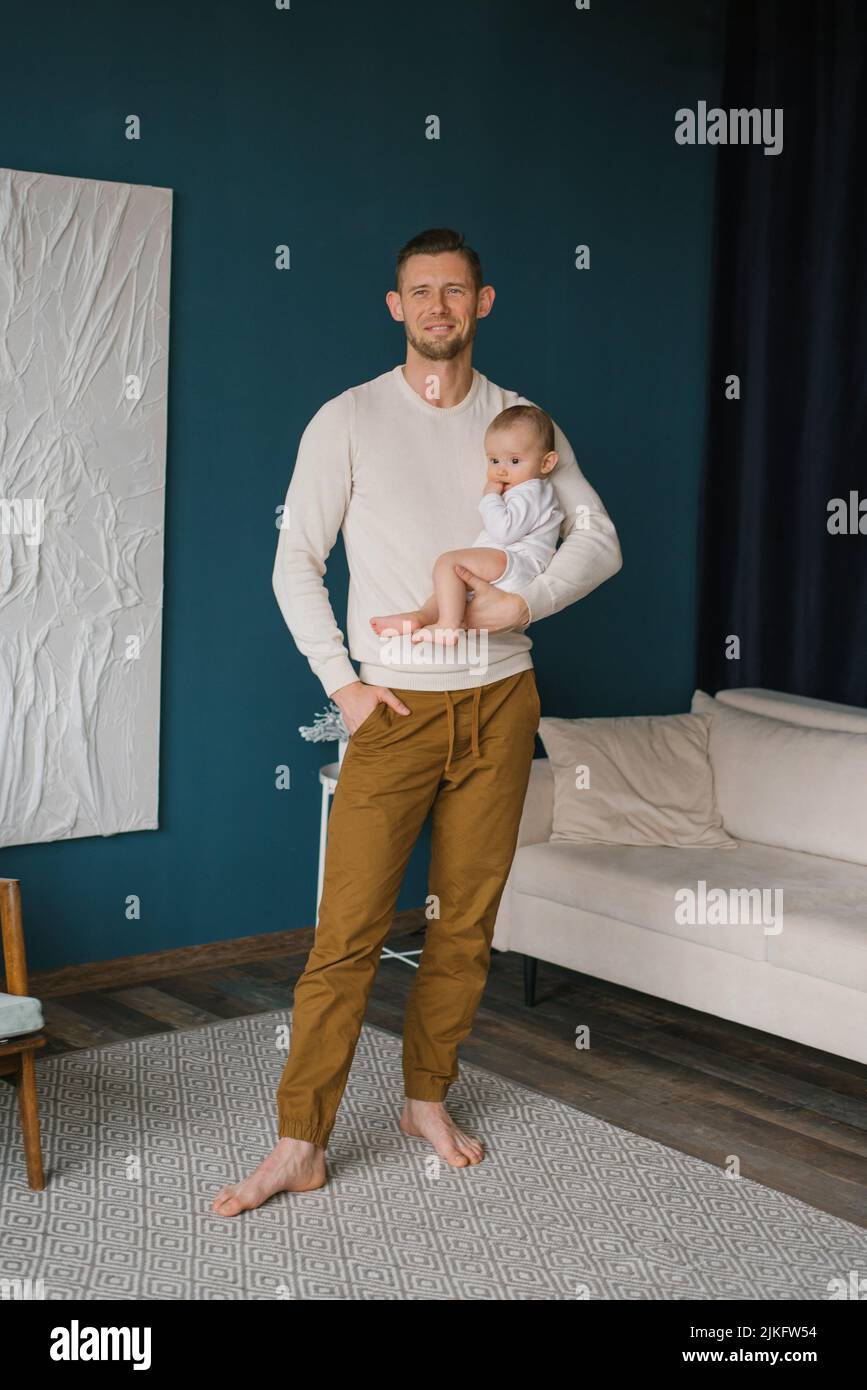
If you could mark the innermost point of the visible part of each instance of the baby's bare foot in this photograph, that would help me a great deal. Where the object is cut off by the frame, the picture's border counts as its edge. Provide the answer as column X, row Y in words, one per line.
column 429, row 1119
column 293, row 1165
column 396, row 624
column 443, row 636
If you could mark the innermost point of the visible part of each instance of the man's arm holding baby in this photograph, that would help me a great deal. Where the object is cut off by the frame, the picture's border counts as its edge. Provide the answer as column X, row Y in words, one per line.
column 316, row 503
column 589, row 553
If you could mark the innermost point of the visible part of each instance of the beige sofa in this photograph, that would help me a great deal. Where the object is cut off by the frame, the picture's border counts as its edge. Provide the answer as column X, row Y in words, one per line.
column 609, row 910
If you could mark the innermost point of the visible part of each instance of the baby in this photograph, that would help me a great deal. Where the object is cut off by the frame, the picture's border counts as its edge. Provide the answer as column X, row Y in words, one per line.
column 521, row 524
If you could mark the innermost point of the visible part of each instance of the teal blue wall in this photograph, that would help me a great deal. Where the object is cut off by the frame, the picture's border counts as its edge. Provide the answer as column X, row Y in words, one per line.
column 307, row 127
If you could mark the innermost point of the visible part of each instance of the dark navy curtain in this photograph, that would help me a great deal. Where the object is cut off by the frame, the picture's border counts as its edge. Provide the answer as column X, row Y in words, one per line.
column 789, row 319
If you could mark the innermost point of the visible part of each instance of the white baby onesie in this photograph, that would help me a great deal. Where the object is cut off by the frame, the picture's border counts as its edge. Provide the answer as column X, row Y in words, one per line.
column 524, row 522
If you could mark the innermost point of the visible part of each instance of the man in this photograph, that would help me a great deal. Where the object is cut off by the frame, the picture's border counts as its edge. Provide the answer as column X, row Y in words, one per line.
column 398, row 464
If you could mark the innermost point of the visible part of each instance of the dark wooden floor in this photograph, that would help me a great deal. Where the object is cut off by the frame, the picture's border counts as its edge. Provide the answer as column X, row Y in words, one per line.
column 796, row 1118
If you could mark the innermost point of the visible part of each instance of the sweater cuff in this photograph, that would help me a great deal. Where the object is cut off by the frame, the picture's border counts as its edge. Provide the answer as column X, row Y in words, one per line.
column 337, row 672
column 537, row 598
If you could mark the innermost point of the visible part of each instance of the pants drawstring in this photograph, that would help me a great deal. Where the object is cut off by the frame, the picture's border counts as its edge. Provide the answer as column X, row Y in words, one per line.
column 450, row 710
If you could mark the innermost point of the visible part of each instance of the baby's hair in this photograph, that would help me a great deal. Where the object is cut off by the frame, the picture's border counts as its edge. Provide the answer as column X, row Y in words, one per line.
column 542, row 423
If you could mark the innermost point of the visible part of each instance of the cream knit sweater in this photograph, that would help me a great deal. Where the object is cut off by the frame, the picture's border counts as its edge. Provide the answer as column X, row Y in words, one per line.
column 402, row 479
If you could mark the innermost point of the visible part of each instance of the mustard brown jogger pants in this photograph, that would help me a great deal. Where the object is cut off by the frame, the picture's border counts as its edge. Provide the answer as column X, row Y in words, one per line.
column 465, row 756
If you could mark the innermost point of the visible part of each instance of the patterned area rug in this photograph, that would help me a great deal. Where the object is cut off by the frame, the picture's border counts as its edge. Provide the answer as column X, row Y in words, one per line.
column 139, row 1136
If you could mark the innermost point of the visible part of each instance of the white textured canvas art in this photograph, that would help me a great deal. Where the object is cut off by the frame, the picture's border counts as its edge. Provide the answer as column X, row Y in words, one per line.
column 84, row 332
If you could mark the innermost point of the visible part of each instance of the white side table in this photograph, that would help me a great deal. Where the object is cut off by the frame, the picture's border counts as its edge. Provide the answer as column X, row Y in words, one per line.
column 328, row 779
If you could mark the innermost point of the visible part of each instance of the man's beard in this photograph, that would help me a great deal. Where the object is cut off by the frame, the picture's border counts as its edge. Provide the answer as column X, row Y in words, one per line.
column 441, row 349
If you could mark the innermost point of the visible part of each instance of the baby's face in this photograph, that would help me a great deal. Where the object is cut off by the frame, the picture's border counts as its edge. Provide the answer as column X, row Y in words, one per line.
column 515, row 455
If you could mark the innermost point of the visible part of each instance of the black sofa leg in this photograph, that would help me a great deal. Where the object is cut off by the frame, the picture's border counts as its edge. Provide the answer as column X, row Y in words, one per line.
column 530, row 964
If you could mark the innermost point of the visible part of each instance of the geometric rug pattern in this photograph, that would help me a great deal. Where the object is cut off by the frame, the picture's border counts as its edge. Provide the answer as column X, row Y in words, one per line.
column 138, row 1136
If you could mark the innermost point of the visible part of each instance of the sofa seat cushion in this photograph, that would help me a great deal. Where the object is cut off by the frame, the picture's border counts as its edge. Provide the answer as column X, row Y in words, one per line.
column 831, row 947
column 824, row 918
column 19, row 1014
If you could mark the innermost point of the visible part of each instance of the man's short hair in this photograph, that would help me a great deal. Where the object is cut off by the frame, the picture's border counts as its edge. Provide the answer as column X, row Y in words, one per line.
column 532, row 415
column 433, row 243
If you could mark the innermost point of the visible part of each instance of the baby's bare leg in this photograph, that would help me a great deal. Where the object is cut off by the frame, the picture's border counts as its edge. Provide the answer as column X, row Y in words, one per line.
column 451, row 591
column 398, row 624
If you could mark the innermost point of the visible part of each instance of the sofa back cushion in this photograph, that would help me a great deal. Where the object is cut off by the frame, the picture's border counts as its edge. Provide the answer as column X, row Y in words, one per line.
column 633, row 780
column 796, row 709
column 783, row 783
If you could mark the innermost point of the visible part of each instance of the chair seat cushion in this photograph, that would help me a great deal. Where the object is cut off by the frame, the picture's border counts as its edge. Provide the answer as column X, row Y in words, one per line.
column 19, row 1014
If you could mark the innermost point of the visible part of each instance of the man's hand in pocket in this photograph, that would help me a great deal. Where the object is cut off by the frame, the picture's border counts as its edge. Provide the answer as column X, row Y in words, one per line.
column 357, row 702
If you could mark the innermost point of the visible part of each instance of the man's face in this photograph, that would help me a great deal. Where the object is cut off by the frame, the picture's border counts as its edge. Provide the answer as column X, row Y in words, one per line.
column 439, row 304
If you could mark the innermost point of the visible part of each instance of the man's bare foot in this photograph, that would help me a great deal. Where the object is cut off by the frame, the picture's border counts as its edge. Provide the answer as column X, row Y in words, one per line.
column 444, row 636
column 396, row 624
column 293, row 1165
column 429, row 1119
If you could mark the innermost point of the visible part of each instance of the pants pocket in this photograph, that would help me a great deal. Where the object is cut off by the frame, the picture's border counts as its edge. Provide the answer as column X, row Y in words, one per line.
column 372, row 718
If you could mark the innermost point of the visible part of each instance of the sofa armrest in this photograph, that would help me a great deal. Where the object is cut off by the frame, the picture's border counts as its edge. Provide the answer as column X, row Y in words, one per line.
column 537, row 819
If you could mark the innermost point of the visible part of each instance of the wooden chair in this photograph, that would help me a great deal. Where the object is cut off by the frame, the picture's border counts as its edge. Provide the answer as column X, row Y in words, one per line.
column 17, row 1052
